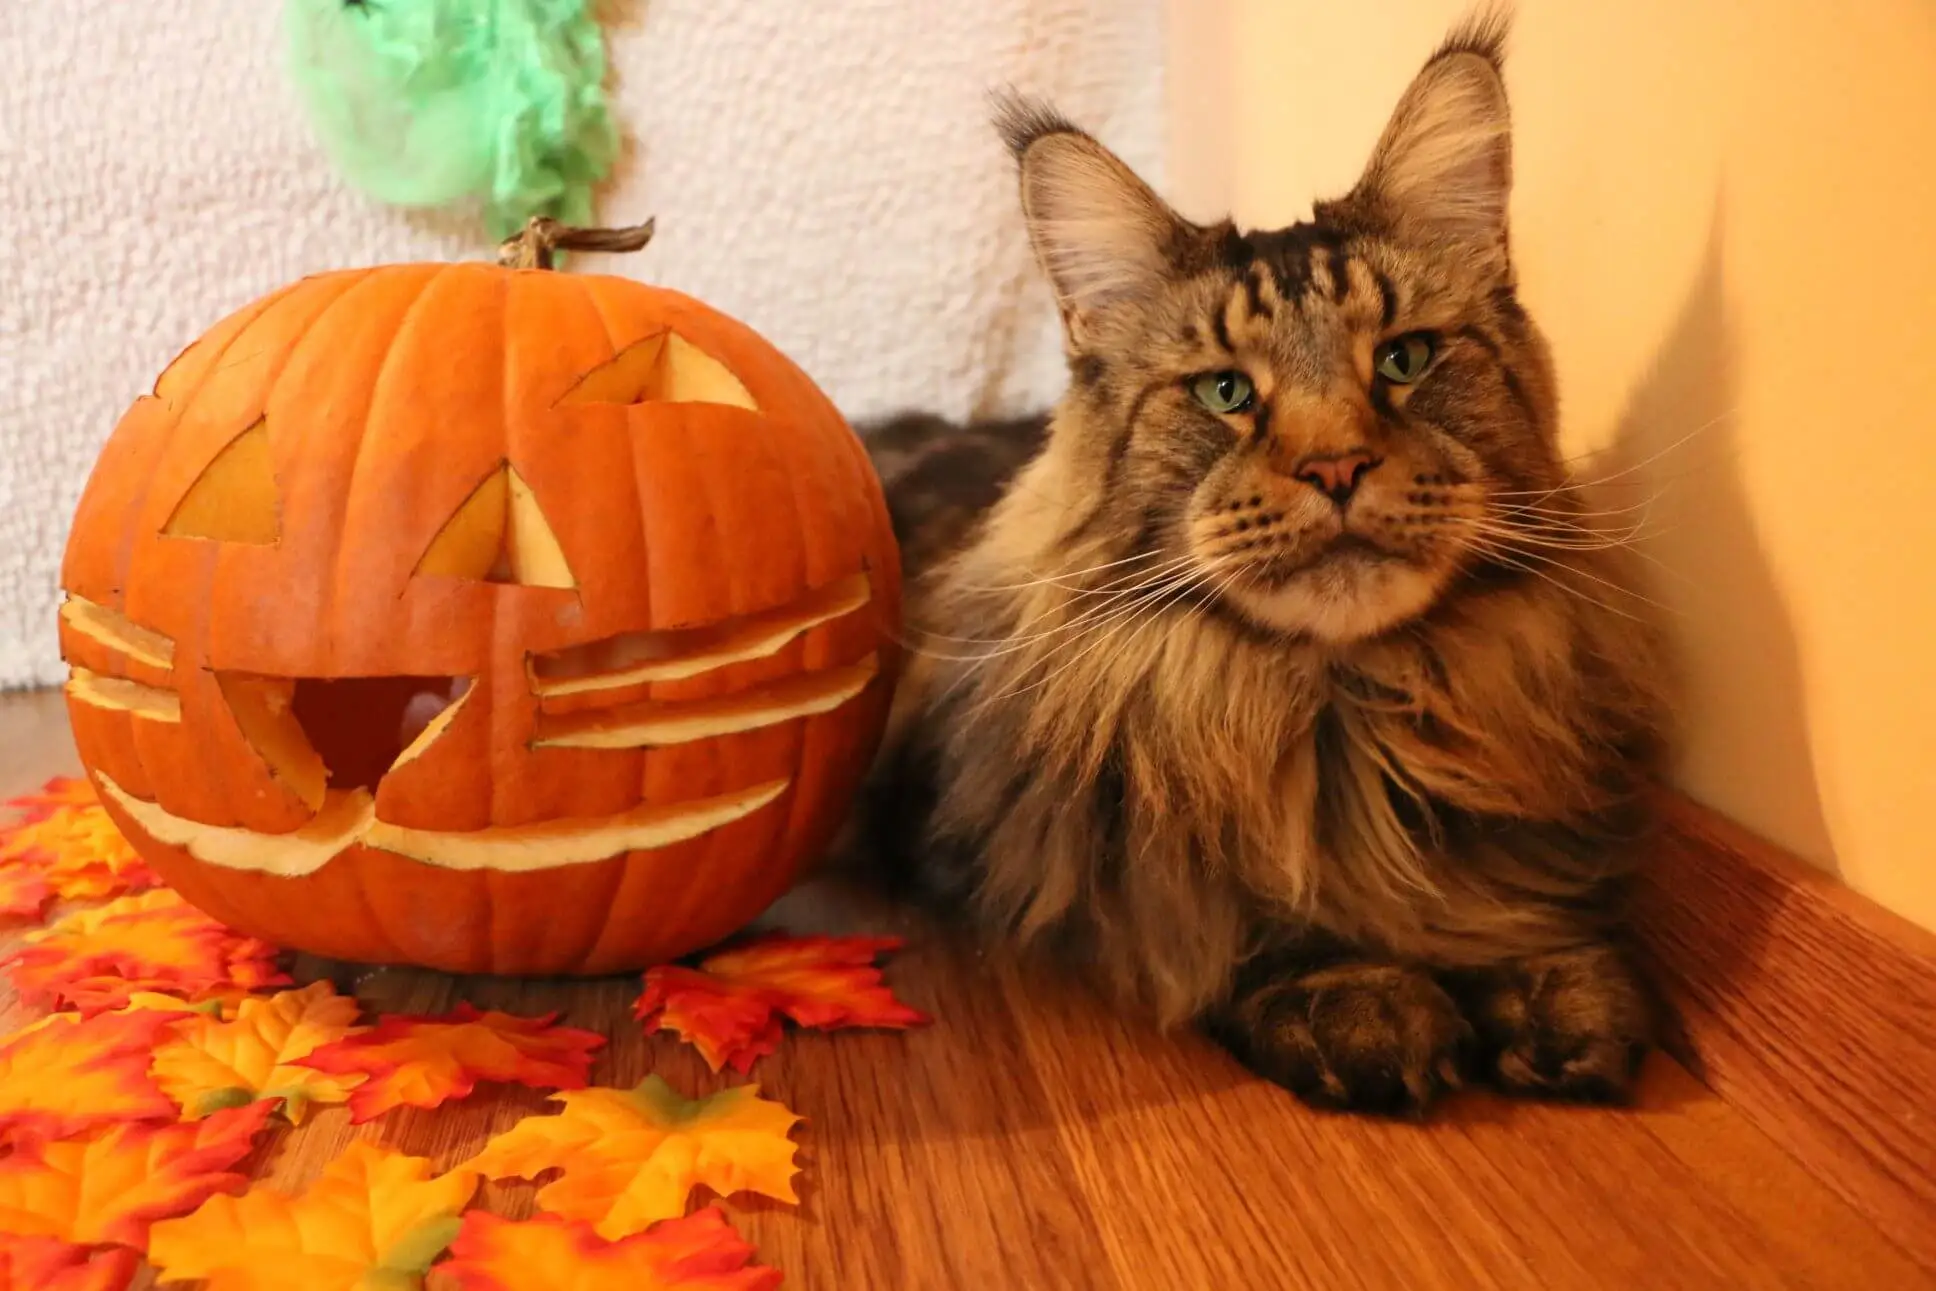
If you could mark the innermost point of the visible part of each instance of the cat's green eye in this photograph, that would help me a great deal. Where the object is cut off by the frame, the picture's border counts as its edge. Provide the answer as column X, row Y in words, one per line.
column 1402, row 359
column 1222, row 392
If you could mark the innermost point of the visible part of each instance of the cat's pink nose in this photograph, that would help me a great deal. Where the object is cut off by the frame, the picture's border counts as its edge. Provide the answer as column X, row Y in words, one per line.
column 1336, row 475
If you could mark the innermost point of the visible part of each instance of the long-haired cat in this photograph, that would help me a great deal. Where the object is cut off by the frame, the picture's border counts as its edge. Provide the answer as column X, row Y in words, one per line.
column 1282, row 682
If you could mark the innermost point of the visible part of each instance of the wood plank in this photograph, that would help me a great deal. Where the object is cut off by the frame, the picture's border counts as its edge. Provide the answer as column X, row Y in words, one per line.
column 1809, row 1009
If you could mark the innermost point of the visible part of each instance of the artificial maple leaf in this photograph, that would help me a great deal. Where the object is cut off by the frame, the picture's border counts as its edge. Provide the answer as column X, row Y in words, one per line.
column 215, row 1006
column 631, row 1157
column 48, row 1264
column 65, row 1074
column 110, row 1184
column 208, row 1063
column 100, row 958
column 24, row 891
column 427, row 1061
column 79, row 852
column 726, row 1006
column 373, row 1219
column 698, row 1252
column 61, row 791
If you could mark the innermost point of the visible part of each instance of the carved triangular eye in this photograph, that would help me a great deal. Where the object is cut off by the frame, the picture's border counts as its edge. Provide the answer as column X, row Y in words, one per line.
column 234, row 499
column 499, row 535
column 663, row 368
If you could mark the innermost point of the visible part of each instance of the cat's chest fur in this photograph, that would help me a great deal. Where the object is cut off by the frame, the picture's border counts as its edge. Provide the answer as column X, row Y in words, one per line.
column 1160, row 806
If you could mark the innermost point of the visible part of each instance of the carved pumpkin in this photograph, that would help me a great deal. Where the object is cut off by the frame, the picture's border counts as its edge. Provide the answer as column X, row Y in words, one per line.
column 481, row 617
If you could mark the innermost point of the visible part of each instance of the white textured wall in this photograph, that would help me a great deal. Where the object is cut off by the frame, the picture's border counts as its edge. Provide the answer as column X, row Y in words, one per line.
column 822, row 170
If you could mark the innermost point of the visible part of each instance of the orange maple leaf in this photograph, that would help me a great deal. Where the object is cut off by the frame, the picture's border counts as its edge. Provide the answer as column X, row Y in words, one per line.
column 209, row 1063
column 427, row 1061
column 726, row 1006
column 698, row 1252
column 100, row 958
column 373, row 1219
column 79, row 852
column 47, row 1264
column 66, row 1074
column 110, row 1184
column 61, row 791
column 632, row 1156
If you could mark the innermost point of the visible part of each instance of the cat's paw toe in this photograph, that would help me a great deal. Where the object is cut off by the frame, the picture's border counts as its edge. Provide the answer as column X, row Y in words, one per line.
column 1570, row 1025
column 1360, row 1037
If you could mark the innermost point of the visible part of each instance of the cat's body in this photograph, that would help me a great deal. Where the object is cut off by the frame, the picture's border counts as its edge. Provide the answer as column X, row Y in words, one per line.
column 1280, row 683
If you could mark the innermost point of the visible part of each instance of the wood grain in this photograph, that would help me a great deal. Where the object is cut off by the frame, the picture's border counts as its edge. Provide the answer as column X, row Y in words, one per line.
column 1031, row 1139
column 1808, row 1009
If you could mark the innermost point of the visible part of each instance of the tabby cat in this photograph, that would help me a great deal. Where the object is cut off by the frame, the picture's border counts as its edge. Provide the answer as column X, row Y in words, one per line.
column 1280, row 680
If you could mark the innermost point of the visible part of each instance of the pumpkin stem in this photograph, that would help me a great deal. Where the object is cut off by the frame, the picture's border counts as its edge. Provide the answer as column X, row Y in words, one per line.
column 543, row 237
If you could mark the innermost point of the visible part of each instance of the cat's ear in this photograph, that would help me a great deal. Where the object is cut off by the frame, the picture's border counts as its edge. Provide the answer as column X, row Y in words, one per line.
column 1442, row 170
column 1103, row 235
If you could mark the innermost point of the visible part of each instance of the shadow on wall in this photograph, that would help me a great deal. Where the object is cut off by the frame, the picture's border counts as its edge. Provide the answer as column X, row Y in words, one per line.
column 1676, row 449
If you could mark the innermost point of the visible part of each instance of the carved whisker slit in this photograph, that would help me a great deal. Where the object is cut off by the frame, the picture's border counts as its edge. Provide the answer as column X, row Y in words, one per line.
column 657, row 723
column 117, row 632
column 671, row 654
column 151, row 703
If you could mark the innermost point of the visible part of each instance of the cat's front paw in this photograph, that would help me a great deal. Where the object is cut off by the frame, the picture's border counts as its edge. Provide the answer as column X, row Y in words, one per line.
column 1573, row 1024
column 1358, row 1037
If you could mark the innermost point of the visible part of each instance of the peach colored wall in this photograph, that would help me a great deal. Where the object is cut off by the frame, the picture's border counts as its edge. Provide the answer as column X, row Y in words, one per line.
column 1725, row 217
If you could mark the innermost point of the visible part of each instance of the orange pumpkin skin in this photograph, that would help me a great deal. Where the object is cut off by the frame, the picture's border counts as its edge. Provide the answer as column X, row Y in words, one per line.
column 373, row 405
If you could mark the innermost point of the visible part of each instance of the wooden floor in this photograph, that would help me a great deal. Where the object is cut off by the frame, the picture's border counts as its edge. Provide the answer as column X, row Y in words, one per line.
column 1031, row 1140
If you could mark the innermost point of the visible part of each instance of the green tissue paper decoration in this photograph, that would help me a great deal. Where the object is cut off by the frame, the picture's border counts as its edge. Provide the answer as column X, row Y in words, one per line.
column 430, row 102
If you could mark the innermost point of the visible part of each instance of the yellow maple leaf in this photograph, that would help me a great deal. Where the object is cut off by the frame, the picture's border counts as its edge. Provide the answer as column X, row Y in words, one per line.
column 375, row 1218
column 210, row 1064
column 631, row 1157
column 110, row 1184
column 78, row 851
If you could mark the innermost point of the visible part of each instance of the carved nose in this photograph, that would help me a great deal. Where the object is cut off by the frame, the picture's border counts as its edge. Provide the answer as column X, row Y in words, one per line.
column 1336, row 475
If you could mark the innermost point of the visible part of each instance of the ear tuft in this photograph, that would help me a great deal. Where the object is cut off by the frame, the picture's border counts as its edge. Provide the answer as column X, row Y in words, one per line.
column 1442, row 170
column 1103, row 235
column 1022, row 120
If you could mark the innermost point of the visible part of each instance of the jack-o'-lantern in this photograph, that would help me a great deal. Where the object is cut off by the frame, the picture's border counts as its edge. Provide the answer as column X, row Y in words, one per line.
column 481, row 617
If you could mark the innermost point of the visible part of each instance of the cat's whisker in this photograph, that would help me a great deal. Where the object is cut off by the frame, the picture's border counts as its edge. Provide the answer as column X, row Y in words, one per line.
column 1531, row 562
column 1092, row 619
column 1577, row 540
column 1151, row 578
column 1130, row 620
column 1572, row 513
column 1065, row 579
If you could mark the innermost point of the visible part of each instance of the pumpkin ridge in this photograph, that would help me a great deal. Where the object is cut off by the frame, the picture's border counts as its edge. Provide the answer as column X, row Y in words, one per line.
column 372, row 908
column 132, row 526
column 618, row 878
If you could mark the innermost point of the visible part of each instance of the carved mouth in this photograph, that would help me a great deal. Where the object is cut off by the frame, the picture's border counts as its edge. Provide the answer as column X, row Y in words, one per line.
column 332, row 740
column 360, row 726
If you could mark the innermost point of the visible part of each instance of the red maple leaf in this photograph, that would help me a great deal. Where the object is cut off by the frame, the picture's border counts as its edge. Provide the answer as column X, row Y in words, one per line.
column 112, row 1183
column 66, row 1074
column 427, row 1061
column 61, row 791
column 697, row 1252
column 98, row 959
column 49, row 1264
column 729, row 1006
column 24, row 891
